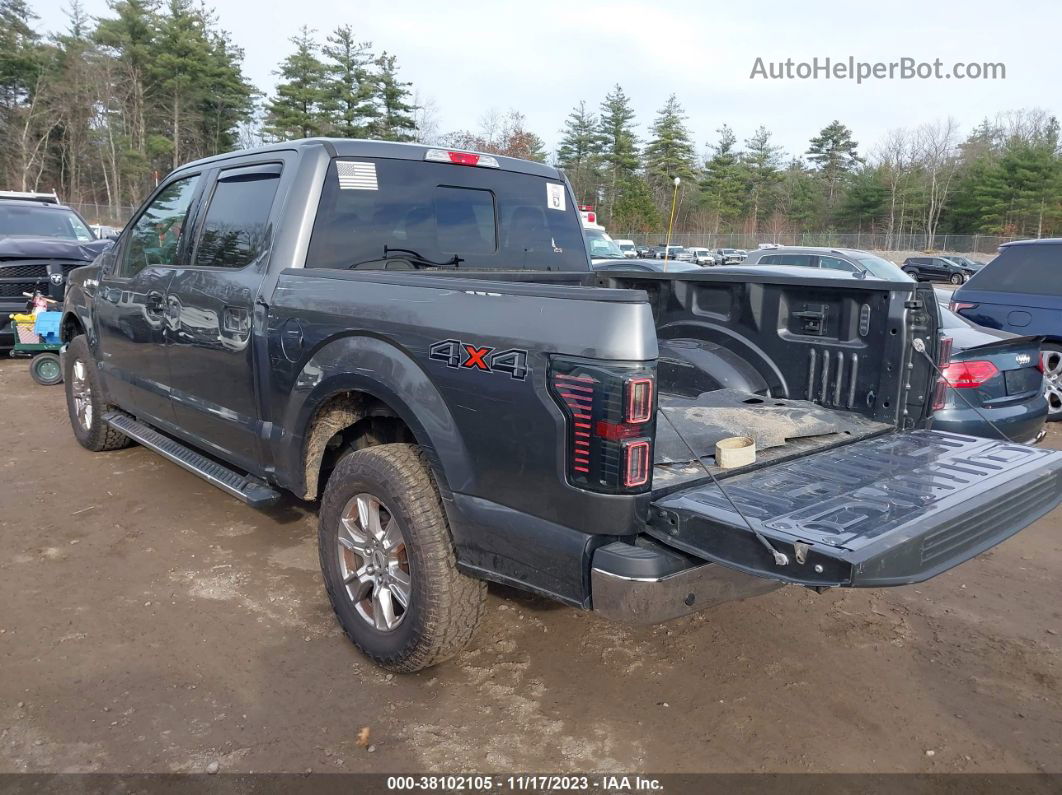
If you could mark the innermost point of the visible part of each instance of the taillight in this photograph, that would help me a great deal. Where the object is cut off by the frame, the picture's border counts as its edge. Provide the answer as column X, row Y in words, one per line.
column 958, row 306
column 610, row 412
column 940, row 394
column 968, row 375
column 461, row 158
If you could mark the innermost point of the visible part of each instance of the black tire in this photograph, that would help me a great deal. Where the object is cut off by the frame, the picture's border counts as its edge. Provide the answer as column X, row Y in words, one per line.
column 89, row 428
column 444, row 606
column 912, row 273
column 956, row 278
column 46, row 370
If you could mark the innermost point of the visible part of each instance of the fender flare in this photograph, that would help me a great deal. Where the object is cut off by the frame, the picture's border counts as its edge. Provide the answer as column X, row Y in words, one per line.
column 368, row 364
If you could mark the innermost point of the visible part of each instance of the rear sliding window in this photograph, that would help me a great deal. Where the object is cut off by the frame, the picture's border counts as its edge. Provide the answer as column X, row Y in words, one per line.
column 488, row 217
column 1031, row 268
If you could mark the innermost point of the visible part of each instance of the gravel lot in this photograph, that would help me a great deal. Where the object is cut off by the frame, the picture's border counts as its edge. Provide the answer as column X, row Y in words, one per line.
column 151, row 623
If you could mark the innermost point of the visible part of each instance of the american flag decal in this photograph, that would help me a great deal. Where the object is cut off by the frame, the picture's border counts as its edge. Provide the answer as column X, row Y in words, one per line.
column 356, row 176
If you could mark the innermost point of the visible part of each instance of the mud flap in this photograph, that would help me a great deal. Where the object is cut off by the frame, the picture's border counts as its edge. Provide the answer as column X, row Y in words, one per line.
column 891, row 510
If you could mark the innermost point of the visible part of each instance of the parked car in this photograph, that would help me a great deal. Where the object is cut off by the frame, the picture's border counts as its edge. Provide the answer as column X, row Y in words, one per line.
column 645, row 252
column 859, row 263
column 937, row 269
column 655, row 265
column 702, row 256
column 970, row 263
column 420, row 343
column 41, row 242
column 628, row 248
column 742, row 253
column 674, row 253
column 998, row 373
column 728, row 256
column 1020, row 291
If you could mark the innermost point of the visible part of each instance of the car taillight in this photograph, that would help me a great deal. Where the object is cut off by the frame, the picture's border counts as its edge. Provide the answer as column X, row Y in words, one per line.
column 461, row 158
column 967, row 375
column 958, row 306
column 940, row 394
column 610, row 412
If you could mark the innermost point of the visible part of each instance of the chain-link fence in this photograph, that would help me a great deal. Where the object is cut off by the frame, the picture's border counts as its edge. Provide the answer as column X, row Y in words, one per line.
column 105, row 214
column 870, row 241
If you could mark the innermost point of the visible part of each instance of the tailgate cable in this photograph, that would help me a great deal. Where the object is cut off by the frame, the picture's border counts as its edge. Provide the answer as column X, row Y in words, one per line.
column 780, row 558
column 919, row 345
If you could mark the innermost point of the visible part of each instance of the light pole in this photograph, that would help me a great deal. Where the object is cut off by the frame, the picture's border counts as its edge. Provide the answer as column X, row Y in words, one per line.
column 671, row 223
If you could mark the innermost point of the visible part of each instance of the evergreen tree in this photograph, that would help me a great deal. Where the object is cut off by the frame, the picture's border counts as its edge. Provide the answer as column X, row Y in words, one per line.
column 635, row 211
column 349, row 88
column 619, row 144
column 760, row 163
column 394, row 112
column 834, row 154
column 670, row 152
column 579, row 154
column 295, row 111
column 722, row 184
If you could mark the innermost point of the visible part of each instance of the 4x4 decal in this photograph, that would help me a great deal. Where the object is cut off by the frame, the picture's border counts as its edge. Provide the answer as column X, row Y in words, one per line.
column 467, row 356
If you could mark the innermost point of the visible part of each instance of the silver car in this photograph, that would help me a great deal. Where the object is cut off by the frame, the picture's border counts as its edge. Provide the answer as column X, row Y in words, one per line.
column 861, row 264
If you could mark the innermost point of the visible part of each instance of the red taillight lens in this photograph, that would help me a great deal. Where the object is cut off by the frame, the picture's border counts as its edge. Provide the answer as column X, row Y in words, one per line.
column 460, row 158
column 635, row 463
column 639, row 400
column 967, row 375
column 610, row 417
column 958, row 306
column 1041, row 363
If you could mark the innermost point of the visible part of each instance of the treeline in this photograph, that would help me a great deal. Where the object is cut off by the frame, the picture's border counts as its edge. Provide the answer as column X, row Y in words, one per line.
column 100, row 111
column 1005, row 178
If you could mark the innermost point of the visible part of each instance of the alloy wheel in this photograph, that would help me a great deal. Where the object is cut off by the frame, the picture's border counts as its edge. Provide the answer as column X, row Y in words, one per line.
column 82, row 394
column 373, row 562
column 1052, row 360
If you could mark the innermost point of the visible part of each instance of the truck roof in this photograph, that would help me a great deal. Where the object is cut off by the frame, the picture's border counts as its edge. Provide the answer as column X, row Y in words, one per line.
column 350, row 147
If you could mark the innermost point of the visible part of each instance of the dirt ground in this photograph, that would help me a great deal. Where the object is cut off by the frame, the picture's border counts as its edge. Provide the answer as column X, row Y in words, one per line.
column 148, row 622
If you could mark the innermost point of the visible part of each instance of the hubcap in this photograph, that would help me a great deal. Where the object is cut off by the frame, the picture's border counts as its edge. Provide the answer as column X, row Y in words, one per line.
column 82, row 393
column 1053, row 380
column 373, row 562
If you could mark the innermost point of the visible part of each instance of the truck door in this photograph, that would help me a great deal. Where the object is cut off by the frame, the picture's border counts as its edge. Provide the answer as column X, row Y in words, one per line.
column 210, row 306
column 130, row 311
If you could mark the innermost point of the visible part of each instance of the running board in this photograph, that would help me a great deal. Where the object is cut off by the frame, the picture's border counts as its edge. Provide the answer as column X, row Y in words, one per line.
column 252, row 491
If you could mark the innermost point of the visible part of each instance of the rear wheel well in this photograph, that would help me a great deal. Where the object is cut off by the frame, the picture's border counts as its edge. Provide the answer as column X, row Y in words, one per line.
column 347, row 421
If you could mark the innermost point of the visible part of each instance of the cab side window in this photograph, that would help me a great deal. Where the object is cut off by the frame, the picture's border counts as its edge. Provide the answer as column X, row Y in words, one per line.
column 237, row 230
column 156, row 235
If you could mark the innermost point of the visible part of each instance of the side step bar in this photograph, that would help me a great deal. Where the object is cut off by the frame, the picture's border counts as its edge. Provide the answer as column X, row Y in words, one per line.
column 243, row 487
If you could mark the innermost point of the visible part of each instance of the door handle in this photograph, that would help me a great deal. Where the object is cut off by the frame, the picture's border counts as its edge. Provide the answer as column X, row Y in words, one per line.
column 153, row 302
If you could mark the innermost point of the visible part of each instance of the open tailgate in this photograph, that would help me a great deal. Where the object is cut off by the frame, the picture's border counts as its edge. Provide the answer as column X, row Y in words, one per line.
column 890, row 510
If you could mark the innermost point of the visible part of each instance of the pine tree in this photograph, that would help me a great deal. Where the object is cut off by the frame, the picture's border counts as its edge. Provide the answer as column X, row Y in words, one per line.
column 295, row 111
column 834, row 153
column 670, row 152
column 394, row 112
column 579, row 153
column 760, row 163
column 722, row 185
column 635, row 210
column 619, row 144
column 348, row 86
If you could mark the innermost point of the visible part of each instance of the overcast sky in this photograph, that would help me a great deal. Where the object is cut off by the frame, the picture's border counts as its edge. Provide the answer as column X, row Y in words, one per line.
column 543, row 57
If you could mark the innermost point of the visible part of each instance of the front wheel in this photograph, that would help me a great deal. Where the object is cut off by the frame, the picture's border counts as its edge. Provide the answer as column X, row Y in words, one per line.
column 388, row 561
column 84, row 400
column 1052, row 360
column 956, row 278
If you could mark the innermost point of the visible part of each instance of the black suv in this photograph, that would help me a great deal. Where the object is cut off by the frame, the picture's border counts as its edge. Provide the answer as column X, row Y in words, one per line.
column 41, row 241
column 937, row 269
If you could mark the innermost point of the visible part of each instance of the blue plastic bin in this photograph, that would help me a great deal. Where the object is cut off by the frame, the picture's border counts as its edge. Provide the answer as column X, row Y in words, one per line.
column 47, row 326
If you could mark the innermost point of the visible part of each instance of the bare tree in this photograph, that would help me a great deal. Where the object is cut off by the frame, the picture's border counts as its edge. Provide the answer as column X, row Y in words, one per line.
column 936, row 157
column 893, row 157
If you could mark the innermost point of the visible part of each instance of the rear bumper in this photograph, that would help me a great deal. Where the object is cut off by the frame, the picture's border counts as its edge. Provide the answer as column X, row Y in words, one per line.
column 659, row 585
column 1022, row 423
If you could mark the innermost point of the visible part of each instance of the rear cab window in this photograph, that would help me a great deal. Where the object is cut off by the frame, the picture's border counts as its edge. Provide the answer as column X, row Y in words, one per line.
column 1031, row 268
column 236, row 229
column 488, row 218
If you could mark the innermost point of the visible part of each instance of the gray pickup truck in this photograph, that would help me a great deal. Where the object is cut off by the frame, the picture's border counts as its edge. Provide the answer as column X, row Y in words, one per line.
column 415, row 337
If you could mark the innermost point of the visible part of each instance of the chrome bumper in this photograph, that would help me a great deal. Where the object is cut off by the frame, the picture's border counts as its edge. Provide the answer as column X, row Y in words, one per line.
column 652, row 600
